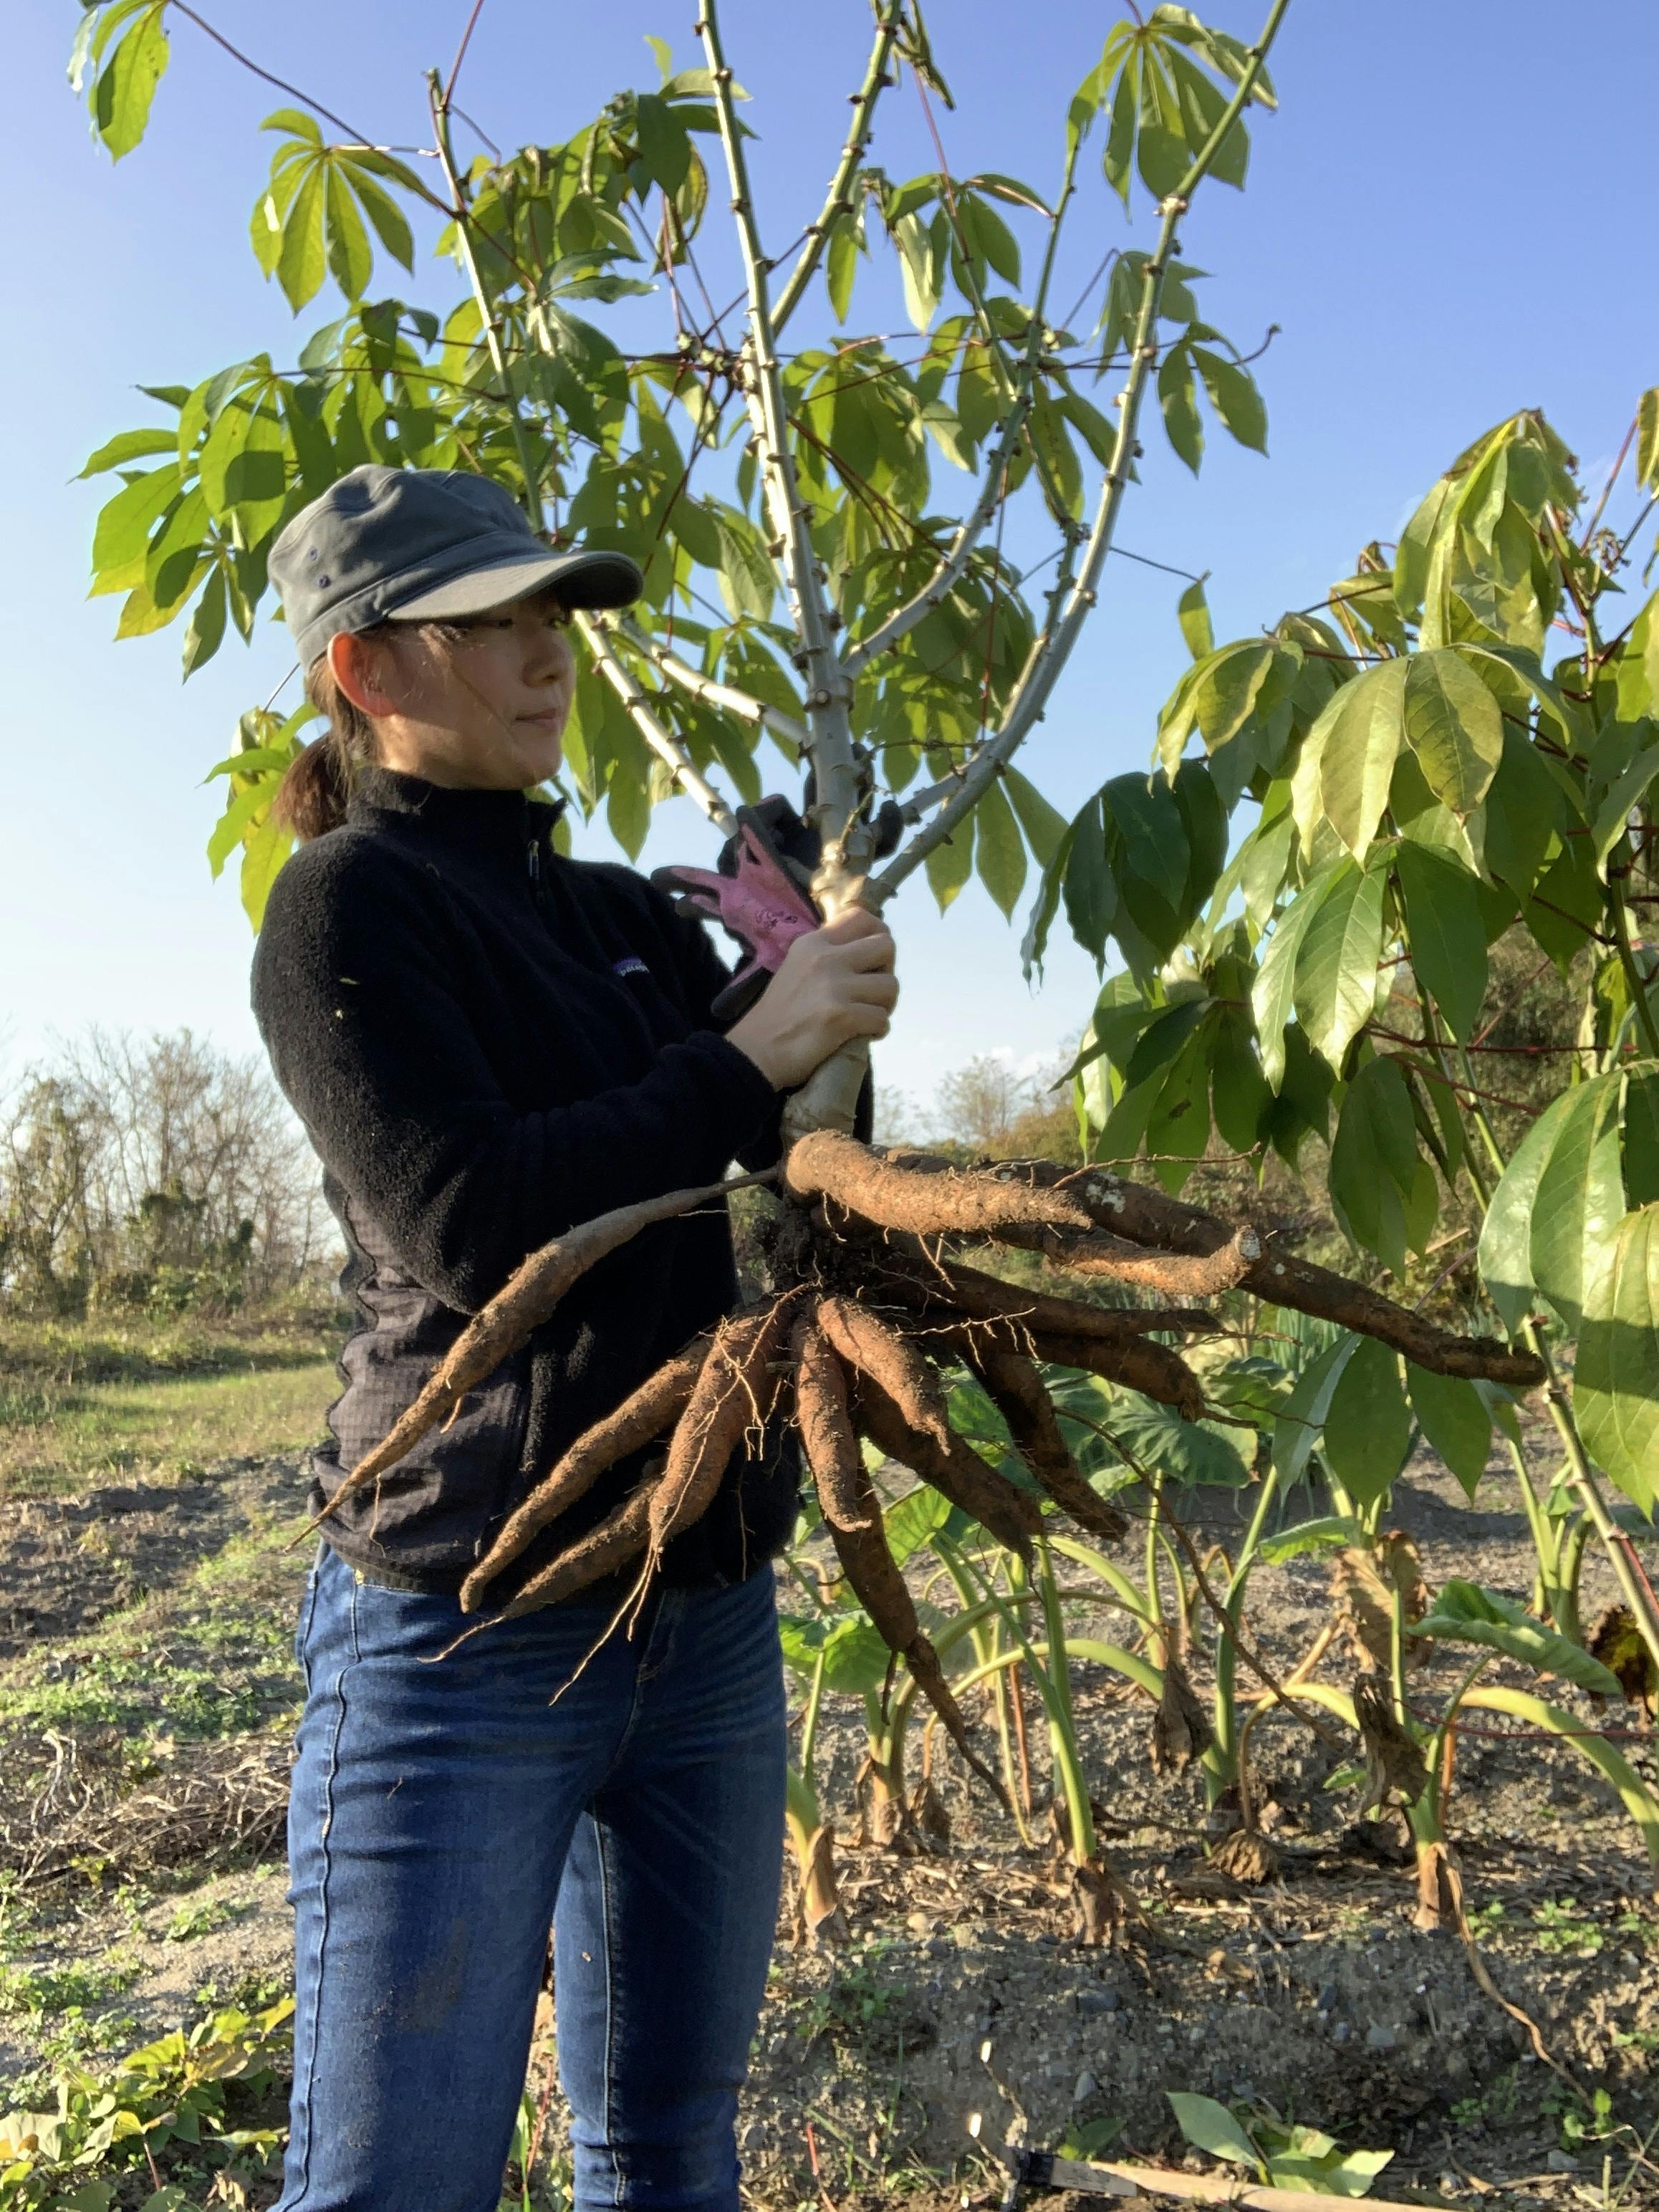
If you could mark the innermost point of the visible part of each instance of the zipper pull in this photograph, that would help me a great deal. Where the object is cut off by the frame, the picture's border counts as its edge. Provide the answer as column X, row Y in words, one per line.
column 535, row 860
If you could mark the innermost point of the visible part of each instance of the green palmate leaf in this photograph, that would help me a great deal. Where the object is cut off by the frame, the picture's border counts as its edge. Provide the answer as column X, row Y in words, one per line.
column 748, row 581
column 301, row 260
column 350, row 256
column 391, row 226
column 949, row 865
column 1642, row 1136
column 242, row 811
column 1297, row 1428
column 1240, row 1098
column 998, row 850
column 913, row 1520
column 665, row 148
column 1158, row 1442
column 1271, row 995
column 124, row 524
column 1368, row 1428
column 1090, row 888
column 1349, row 2176
column 840, row 266
column 1525, row 807
column 921, row 249
column 855, row 1657
column 1446, row 933
column 207, row 625
column 1616, row 1382
column 1044, row 825
column 1580, row 1198
column 1224, row 695
column 1454, row 726
column 1452, row 1416
column 1177, row 397
column 129, row 446
column 264, row 853
column 1233, row 394
column 1336, row 966
column 125, row 89
column 1464, row 1613
column 1374, row 1163
column 1210, row 2126
column 1505, row 1251
column 1317, row 1535
column 1647, row 440
column 1193, row 612
column 1348, row 757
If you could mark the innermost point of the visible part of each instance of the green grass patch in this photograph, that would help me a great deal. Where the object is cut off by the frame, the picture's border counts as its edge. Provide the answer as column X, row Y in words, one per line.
column 81, row 1404
column 213, row 1657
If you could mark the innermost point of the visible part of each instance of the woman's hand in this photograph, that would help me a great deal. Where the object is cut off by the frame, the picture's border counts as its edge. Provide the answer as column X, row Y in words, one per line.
column 835, row 983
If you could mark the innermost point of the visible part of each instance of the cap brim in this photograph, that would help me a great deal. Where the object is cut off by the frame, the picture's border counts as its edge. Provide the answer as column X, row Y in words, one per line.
column 584, row 578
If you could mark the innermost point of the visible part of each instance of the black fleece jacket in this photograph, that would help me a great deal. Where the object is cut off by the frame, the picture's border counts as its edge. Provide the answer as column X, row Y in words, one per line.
column 488, row 1042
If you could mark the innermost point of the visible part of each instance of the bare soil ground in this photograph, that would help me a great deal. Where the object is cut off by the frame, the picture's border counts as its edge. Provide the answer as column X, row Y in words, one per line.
column 146, row 1694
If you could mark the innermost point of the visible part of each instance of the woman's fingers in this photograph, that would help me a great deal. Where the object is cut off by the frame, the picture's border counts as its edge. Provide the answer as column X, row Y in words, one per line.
column 880, row 989
column 859, row 939
column 865, row 1021
column 835, row 983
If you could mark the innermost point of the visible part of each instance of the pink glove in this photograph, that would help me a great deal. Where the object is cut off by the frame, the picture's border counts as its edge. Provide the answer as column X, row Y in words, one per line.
column 759, row 903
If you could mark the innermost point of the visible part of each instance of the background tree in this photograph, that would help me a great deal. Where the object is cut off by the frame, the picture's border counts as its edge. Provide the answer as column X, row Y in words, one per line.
column 154, row 1171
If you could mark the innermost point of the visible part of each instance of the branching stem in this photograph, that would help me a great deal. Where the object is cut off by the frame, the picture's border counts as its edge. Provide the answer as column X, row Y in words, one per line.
column 889, row 16
column 837, row 770
column 728, row 698
column 492, row 336
column 662, row 742
column 1054, row 646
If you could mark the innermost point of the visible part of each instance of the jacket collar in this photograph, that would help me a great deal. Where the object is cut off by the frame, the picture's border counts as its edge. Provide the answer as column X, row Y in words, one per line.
column 492, row 825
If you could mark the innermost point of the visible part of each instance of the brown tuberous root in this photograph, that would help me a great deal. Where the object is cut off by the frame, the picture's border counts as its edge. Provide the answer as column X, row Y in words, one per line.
column 638, row 1420
column 828, row 1436
column 505, row 1325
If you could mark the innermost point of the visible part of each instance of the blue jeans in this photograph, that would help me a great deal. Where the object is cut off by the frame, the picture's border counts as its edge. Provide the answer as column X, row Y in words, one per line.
column 440, row 1810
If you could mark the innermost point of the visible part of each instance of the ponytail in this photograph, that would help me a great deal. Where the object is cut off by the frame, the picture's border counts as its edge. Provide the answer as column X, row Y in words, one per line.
column 312, row 796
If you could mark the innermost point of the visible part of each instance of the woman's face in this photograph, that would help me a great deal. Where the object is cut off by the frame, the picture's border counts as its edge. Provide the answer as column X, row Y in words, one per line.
column 483, row 708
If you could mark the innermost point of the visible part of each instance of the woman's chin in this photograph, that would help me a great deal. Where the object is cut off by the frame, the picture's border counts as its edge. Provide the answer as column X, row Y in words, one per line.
column 548, row 758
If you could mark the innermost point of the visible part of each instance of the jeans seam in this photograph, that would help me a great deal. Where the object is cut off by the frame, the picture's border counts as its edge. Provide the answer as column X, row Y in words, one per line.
column 330, row 1769
column 671, row 1610
column 608, row 1954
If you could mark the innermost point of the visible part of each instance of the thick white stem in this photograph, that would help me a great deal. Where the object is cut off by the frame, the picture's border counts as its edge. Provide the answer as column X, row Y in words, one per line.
column 953, row 567
column 889, row 14
column 724, row 698
column 828, row 1099
column 837, row 771
column 662, row 742
column 1054, row 649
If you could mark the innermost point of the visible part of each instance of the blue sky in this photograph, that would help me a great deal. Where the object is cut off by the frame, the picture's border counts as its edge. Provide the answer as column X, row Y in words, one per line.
column 1451, row 217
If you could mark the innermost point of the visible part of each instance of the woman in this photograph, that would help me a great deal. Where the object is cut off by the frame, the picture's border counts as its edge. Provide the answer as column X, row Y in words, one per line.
column 488, row 1042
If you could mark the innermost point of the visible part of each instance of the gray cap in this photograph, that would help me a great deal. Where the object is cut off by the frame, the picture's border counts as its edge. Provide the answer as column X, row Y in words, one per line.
column 424, row 545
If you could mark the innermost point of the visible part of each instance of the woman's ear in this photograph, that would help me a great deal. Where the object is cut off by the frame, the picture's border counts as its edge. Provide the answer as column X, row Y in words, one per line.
column 359, row 667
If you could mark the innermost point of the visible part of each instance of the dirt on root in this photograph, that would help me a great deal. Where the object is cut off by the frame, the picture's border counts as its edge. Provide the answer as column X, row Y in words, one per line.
column 155, row 1876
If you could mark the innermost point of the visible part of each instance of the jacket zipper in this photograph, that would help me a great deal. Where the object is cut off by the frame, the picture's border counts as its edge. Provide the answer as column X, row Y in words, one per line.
column 534, row 853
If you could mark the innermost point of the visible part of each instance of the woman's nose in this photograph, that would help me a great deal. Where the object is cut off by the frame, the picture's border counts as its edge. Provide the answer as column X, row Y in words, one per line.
column 549, row 658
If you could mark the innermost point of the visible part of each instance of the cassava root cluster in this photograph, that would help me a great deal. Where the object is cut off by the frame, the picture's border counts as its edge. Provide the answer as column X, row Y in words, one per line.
column 852, row 1343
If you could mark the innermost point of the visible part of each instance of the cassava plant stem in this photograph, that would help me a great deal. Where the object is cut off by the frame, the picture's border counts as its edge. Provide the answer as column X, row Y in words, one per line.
column 1054, row 649
column 890, row 14
column 666, row 747
column 532, row 475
